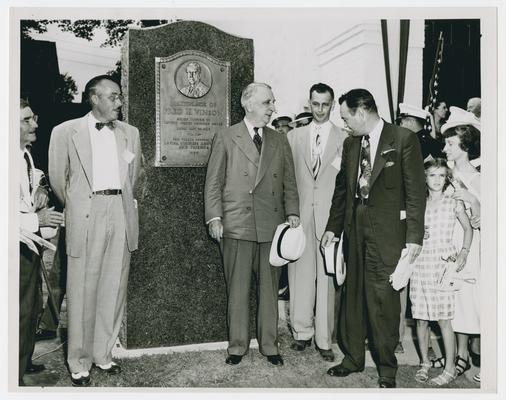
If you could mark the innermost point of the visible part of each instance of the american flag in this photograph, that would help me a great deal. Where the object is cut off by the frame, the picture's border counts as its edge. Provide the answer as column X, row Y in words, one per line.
column 434, row 80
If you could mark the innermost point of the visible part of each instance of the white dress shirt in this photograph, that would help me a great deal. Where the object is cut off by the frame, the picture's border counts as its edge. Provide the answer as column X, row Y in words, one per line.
column 104, row 154
column 374, row 138
column 323, row 130
column 251, row 130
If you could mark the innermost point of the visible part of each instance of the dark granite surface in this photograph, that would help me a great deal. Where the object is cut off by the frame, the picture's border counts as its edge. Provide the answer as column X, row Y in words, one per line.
column 176, row 292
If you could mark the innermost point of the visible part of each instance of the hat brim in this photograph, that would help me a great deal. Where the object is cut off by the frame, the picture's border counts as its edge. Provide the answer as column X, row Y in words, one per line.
column 274, row 259
column 453, row 124
column 334, row 261
column 276, row 256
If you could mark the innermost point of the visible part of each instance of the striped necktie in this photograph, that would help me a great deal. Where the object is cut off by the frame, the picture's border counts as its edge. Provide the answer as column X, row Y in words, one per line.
column 257, row 140
column 317, row 150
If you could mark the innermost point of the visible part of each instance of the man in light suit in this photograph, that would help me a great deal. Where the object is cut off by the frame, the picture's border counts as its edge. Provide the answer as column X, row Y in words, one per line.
column 250, row 189
column 316, row 150
column 379, row 203
column 94, row 164
column 33, row 216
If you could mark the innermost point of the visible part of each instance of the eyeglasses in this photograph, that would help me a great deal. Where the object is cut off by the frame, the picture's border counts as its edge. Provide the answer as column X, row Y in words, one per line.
column 33, row 118
column 113, row 97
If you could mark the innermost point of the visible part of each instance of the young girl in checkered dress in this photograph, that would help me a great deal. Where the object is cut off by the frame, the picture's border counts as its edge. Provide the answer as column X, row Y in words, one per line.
column 427, row 302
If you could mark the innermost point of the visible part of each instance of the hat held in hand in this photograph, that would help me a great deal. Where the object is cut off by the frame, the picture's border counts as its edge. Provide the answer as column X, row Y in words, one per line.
column 334, row 260
column 287, row 245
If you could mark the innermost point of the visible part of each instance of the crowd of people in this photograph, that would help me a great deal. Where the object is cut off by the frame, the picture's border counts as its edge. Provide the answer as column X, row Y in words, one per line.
column 387, row 192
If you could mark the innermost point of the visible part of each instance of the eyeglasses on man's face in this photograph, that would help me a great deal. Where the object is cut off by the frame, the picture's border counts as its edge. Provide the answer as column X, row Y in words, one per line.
column 113, row 97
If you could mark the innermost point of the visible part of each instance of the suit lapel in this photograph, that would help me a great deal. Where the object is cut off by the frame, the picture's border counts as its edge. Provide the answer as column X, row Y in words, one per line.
column 305, row 143
column 82, row 143
column 330, row 149
column 243, row 141
column 121, row 145
column 385, row 143
column 353, row 160
column 268, row 149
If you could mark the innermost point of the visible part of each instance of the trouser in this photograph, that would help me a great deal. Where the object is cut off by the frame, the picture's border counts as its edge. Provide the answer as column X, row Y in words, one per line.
column 369, row 301
column 96, row 286
column 312, row 294
column 29, row 305
column 242, row 259
column 57, row 280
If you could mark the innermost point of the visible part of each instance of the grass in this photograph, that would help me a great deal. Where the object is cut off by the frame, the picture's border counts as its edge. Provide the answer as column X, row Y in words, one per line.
column 207, row 369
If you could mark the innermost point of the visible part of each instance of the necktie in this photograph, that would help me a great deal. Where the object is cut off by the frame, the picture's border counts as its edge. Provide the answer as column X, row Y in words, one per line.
column 100, row 125
column 364, row 180
column 29, row 171
column 317, row 157
column 257, row 140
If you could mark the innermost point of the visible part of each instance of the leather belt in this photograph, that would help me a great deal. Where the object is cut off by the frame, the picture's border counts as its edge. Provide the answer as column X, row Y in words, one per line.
column 108, row 192
column 359, row 200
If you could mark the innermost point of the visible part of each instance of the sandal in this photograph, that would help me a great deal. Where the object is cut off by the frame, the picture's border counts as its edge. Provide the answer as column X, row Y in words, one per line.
column 443, row 379
column 438, row 362
column 422, row 375
column 461, row 365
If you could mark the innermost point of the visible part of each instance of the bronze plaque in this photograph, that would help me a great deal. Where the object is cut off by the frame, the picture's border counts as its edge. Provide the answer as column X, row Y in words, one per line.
column 192, row 103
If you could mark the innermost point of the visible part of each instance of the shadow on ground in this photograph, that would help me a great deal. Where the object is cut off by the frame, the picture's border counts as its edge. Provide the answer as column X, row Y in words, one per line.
column 206, row 369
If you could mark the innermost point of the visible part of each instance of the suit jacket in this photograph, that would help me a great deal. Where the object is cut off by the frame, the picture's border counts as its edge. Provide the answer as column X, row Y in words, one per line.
column 197, row 91
column 397, row 193
column 70, row 174
column 251, row 193
column 316, row 196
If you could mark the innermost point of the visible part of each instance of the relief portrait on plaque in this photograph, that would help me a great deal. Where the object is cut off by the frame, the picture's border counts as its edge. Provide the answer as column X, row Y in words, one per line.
column 192, row 103
column 196, row 85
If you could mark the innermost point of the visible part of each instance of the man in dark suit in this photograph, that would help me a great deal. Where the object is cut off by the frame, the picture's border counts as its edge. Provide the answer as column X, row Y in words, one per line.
column 250, row 189
column 34, row 217
column 379, row 202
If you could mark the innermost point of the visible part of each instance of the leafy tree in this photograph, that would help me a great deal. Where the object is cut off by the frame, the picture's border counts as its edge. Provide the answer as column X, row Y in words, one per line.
column 116, row 73
column 65, row 90
column 86, row 28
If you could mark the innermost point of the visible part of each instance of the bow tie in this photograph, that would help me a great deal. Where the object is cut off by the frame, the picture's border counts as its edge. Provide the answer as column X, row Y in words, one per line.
column 100, row 125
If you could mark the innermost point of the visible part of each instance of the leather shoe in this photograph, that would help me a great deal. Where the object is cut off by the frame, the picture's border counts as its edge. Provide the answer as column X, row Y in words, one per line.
column 80, row 380
column 34, row 368
column 300, row 345
column 327, row 355
column 233, row 359
column 275, row 360
column 386, row 383
column 44, row 334
column 341, row 371
column 114, row 369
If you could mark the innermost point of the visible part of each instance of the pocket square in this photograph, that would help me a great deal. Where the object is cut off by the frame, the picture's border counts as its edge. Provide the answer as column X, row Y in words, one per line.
column 384, row 152
column 336, row 163
column 128, row 156
column 389, row 164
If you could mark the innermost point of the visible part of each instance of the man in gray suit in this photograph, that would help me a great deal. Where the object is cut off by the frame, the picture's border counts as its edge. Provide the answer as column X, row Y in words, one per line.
column 94, row 164
column 250, row 189
column 316, row 152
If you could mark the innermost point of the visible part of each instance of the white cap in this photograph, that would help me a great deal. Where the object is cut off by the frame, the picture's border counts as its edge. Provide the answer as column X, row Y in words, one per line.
column 458, row 117
column 287, row 245
column 408, row 109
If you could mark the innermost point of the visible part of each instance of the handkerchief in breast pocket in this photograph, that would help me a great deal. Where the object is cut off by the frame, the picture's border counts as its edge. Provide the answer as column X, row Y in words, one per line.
column 336, row 163
column 128, row 156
